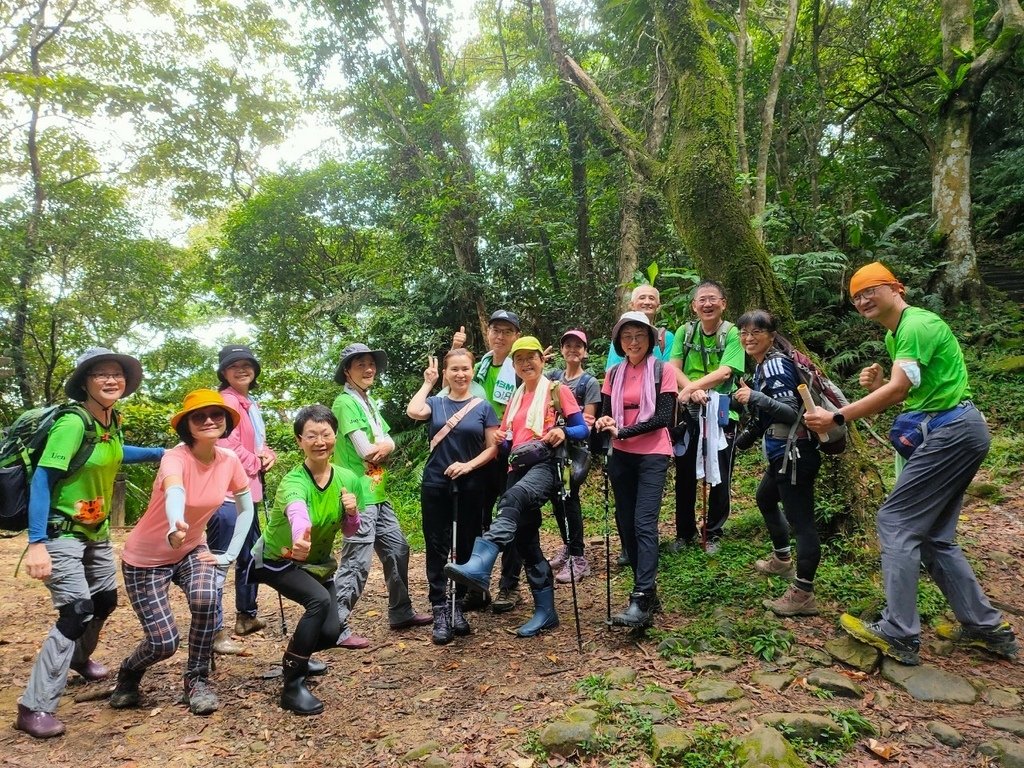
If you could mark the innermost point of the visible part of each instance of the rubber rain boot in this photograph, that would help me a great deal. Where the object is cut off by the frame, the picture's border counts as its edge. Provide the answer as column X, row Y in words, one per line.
column 544, row 616
column 475, row 573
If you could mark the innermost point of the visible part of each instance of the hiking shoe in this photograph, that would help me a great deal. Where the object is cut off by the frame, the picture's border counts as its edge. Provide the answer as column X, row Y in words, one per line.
column 475, row 600
column 560, row 558
column 712, row 546
column 246, row 624
column 199, row 696
column 678, row 545
column 622, row 560
column 506, row 600
column 224, row 645
column 353, row 643
column 999, row 641
column 580, row 569
column 775, row 566
column 904, row 650
column 416, row 620
column 796, row 602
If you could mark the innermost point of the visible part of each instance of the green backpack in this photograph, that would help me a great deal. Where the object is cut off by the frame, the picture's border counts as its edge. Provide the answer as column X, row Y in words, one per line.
column 21, row 445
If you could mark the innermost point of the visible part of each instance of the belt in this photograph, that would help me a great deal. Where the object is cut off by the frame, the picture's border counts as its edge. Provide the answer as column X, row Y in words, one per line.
column 62, row 525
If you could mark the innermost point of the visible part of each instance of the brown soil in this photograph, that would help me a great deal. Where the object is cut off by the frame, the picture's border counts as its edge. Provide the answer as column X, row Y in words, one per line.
column 478, row 698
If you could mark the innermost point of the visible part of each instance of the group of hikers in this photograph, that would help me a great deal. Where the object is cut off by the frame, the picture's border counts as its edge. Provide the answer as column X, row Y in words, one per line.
column 499, row 431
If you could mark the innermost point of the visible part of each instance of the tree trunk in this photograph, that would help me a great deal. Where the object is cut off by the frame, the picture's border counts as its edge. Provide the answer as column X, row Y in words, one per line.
column 960, row 280
column 768, row 115
column 741, row 103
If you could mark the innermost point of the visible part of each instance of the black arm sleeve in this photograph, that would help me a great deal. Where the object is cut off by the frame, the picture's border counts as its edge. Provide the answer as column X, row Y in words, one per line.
column 606, row 405
column 662, row 417
column 785, row 410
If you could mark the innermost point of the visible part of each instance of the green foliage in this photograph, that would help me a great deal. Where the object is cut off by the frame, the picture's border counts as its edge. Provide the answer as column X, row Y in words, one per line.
column 712, row 748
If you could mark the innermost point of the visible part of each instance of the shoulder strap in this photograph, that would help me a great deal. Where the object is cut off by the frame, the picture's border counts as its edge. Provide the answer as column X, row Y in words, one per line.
column 449, row 425
column 89, row 439
column 556, row 403
column 723, row 334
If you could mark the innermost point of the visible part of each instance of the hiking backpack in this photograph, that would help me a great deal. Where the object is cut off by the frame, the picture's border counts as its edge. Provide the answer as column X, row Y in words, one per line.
column 690, row 332
column 21, row 446
column 824, row 393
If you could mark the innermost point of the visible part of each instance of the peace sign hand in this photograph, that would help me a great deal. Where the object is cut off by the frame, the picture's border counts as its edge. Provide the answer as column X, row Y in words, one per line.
column 430, row 373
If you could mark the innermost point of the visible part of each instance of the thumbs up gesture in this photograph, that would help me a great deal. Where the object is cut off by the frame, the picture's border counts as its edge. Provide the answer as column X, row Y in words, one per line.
column 300, row 547
column 742, row 394
column 459, row 338
column 349, row 502
column 177, row 537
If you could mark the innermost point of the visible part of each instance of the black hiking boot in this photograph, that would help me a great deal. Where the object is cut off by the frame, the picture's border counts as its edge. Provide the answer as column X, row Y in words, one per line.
column 126, row 692
column 640, row 612
column 442, row 633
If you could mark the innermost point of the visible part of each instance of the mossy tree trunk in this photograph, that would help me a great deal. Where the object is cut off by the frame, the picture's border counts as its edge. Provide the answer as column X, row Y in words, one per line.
column 697, row 174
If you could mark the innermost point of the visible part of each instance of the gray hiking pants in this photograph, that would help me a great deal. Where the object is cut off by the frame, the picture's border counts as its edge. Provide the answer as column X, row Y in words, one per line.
column 917, row 523
column 378, row 532
column 81, row 569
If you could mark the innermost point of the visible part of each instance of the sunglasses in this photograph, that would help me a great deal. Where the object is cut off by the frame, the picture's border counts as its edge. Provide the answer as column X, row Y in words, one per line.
column 216, row 415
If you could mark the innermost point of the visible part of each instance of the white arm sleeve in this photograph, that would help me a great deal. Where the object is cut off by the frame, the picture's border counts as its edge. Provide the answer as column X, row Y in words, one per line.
column 246, row 510
column 174, row 507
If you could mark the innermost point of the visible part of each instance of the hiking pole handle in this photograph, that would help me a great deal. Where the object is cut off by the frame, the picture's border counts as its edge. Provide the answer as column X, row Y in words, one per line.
column 805, row 395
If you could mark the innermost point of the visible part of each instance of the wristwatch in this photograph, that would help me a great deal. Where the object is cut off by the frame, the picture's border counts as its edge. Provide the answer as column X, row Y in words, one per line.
column 838, row 418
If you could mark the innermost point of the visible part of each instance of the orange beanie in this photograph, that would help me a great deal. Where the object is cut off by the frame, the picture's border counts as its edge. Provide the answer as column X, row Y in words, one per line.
column 871, row 275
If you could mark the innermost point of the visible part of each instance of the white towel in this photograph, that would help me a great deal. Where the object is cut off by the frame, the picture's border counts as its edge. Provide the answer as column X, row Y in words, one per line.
column 710, row 434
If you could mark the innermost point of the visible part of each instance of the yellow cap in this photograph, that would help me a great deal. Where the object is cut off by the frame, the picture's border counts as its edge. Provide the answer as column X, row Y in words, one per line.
column 527, row 342
column 200, row 398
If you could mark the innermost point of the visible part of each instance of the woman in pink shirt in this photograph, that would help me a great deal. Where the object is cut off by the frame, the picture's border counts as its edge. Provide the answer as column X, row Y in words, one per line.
column 636, row 409
column 169, row 545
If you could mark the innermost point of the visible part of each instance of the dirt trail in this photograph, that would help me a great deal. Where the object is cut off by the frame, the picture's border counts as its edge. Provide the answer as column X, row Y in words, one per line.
column 478, row 697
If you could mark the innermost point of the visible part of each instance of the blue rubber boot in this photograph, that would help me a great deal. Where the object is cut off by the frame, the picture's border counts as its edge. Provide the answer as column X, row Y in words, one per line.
column 475, row 572
column 544, row 616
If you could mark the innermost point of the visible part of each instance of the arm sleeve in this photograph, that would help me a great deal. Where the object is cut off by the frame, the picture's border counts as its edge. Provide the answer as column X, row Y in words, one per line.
column 576, row 428
column 361, row 443
column 663, row 407
column 606, row 405
column 298, row 517
column 784, row 411
column 134, row 454
column 39, row 503
column 246, row 510
column 174, row 506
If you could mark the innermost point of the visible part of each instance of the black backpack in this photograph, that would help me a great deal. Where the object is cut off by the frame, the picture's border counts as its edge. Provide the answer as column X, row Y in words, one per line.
column 21, row 446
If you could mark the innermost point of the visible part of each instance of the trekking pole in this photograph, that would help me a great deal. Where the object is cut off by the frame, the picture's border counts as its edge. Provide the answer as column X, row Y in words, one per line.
column 266, row 522
column 562, row 495
column 607, row 535
column 451, row 554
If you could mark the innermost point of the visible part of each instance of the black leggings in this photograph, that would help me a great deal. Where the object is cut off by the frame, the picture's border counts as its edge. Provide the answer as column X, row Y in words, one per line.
column 437, row 506
column 319, row 626
column 797, row 507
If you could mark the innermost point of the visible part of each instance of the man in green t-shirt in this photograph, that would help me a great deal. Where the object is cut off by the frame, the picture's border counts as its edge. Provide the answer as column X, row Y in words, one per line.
column 363, row 447
column 917, row 522
column 707, row 355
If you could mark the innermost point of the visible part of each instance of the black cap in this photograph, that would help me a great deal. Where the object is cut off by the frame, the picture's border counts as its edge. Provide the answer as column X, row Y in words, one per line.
column 509, row 317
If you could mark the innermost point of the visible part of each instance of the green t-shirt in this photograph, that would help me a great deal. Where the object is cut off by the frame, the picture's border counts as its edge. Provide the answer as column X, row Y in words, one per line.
column 85, row 496
column 704, row 357
column 352, row 417
column 490, row 379
column 925, row 337
column 323, row 505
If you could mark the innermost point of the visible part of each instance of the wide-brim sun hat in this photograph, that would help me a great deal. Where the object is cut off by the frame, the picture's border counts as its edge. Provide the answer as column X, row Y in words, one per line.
column 74, row 387
column 574, row 333
column 202, row 398
column 232, row 354
column 637, row 318
column 380, row 357
column 530, row 343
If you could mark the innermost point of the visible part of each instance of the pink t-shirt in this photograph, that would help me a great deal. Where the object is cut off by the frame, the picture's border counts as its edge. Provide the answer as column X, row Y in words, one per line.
column 205, row 488
column 656, row 441
column 523, row 434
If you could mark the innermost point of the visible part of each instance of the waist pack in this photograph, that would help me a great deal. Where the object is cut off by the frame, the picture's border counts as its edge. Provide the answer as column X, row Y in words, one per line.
column 529, row 454
column 910, row 429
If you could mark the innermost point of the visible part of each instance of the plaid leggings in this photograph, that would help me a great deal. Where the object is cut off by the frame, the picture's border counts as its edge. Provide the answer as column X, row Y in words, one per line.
column 148, row 591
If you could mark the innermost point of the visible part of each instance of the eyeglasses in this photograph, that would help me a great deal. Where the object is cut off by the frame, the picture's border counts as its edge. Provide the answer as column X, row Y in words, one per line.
column 502, row 331
column 704, row 301
column 106, row 376
column 867, row 293
column 756, row 333
column 201, row 417
column 322, row 437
